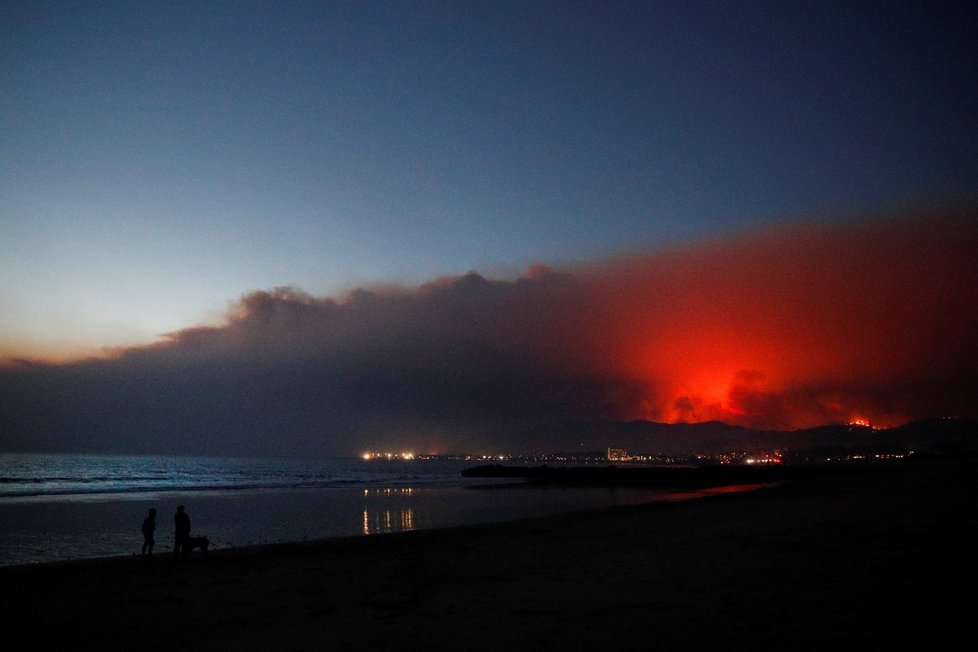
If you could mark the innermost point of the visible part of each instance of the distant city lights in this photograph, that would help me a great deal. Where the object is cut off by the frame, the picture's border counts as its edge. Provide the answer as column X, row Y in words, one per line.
column 387, row 456
column 368, row 456
column 616, row 455
column 765, row 459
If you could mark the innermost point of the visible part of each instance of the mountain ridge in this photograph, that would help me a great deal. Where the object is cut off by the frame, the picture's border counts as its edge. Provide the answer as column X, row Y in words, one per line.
column 940, row 435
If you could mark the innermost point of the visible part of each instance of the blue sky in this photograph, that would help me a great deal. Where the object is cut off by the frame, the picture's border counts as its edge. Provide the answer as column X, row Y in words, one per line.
column 162, row 159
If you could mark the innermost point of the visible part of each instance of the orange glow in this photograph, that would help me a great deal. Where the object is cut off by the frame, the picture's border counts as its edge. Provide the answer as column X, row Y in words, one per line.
column 790, row 328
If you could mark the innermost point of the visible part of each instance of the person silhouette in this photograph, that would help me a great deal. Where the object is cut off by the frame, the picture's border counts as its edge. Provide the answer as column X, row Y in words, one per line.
column 148, row 528
column 181, row 532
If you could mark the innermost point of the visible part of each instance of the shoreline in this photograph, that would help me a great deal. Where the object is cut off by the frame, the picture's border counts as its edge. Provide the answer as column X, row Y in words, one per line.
column 866, row 558
column 639, row 497
column 162, row 554
column 50, row 531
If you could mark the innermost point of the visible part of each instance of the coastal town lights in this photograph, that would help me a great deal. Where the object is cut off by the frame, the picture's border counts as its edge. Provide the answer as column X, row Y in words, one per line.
column 387, row 456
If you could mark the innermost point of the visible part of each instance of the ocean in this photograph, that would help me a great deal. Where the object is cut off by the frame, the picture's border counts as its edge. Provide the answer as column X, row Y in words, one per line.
column 61, row 507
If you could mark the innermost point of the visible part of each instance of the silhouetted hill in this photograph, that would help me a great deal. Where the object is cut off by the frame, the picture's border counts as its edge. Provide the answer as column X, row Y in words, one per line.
column 936, row 436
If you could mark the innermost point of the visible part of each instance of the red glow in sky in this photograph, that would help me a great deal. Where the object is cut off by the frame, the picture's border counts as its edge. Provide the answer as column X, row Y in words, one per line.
column 794, row 327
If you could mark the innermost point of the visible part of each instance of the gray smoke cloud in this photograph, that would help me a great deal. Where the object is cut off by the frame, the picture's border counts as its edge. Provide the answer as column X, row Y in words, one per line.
column 783, row 328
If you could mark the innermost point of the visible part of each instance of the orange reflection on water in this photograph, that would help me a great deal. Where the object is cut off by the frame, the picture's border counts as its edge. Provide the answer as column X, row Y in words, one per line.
column 714, row 491
column 383, row 521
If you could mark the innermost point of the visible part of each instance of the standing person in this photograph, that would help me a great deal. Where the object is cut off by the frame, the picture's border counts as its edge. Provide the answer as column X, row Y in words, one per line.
column 181, row 530
column 148, row 528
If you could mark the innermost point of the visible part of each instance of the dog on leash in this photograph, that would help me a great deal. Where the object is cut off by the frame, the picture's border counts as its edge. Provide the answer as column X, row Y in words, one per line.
column 196, row 543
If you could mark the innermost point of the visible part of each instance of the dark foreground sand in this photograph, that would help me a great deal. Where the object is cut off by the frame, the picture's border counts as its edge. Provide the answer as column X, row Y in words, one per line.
column 868, row 561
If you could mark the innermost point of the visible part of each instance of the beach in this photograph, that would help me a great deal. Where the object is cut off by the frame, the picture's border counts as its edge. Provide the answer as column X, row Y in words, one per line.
column 865, row 560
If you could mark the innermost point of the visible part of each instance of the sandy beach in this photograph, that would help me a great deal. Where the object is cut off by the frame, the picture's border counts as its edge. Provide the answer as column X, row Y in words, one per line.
column 859, row 562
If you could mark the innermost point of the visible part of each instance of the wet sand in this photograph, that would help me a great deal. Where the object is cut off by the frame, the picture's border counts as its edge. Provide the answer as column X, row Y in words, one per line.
column 862, row 561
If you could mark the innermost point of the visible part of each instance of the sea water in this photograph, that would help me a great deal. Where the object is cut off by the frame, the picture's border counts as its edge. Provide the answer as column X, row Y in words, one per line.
column 59, row 507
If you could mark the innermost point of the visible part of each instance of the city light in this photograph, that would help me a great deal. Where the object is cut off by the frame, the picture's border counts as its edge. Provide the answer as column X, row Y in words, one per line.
column 765, row 459
column 368, row 456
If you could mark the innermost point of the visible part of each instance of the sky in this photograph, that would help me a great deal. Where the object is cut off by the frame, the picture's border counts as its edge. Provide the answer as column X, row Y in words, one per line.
column 314, row 227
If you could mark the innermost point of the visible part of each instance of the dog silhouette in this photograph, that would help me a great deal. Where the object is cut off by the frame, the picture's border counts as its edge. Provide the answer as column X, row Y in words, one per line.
column 196, row 543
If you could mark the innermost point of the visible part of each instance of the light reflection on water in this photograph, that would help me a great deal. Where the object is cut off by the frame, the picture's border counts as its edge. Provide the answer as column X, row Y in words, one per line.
column 385, row 519
column 389, row 491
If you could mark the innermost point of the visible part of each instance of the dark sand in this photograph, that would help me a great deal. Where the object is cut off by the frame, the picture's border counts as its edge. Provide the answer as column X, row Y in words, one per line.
column 866, row 561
